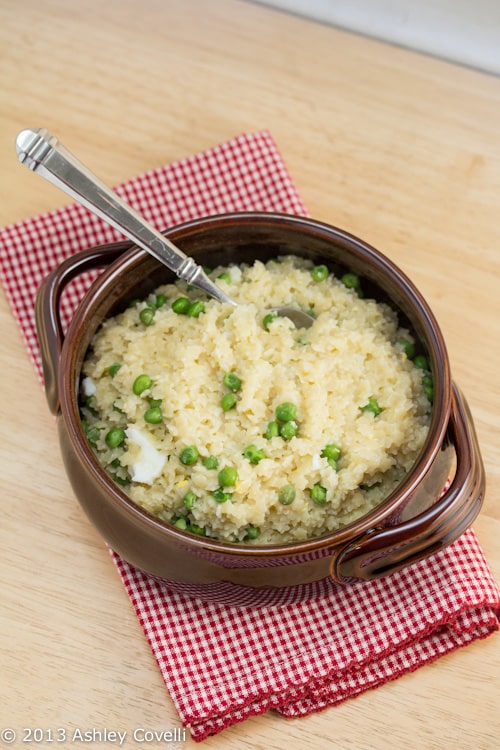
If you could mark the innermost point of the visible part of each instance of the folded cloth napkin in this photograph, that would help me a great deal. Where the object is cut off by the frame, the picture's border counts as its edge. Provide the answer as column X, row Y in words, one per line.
column 222, row 664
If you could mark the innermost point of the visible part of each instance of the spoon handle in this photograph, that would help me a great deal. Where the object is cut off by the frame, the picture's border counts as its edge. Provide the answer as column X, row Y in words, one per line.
column 43, row 153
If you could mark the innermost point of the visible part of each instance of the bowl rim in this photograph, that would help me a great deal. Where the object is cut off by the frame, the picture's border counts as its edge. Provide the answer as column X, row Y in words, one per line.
column 134, row 256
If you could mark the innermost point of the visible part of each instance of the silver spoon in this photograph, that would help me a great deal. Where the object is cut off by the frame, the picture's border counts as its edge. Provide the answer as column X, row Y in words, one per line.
column 43, row 153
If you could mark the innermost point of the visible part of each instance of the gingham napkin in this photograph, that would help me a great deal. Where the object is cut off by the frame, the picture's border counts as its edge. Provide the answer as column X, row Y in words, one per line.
column 222, row 664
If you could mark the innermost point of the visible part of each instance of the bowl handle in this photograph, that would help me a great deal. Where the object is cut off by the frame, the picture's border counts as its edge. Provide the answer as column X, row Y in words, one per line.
column 47, row 314
column 382, row 551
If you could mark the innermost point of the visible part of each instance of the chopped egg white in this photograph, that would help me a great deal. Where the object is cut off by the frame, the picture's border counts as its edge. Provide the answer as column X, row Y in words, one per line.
column 316, row 461
column 150, row 462
column 88, row 387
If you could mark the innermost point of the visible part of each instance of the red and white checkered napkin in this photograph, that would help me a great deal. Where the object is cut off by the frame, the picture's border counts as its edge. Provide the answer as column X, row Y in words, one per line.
column 222, row 664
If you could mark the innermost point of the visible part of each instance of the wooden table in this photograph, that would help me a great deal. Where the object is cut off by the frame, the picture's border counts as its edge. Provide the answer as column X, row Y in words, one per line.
column 401, row 149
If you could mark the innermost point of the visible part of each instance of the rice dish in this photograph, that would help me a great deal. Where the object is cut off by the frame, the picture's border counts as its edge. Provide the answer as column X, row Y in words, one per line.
column 232, row 424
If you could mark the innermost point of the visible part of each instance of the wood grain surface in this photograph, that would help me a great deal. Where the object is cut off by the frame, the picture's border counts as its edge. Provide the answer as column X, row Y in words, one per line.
column 398, row 148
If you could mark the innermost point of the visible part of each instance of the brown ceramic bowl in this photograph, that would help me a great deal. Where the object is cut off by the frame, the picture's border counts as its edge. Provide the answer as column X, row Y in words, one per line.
column 415, row 521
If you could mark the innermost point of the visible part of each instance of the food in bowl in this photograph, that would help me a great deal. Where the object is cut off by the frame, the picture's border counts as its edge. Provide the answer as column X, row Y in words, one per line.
column 415, row 521
column 232, row 424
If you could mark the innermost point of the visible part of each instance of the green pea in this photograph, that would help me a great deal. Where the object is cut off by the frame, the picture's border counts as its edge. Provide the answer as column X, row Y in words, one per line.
column 195, row 309
column 225, row 276
column 189, row 455
column 254, row 454
column 210, row 462
column 89, row 403
column 155, row 402
column 421, row 362
column 228, row 476
column 331, row 451
column 287, row 494
column 147, row 315
column 318, row 494
column 268, row 319
column 181, row 305
column 113, row 369
column 153, row 415
column 93, row 435
column 428, row 384
column 372, row 406
column 232, row 381
column 220, row 496
column 189, row 500
column 115, row 437
column 228, row 401
column 195, row 529
column 408, row 348
column 272, row 430
column 160, row 300
column 121, row 481
column 351, row 281
column 288, row 430
column 181, row 523
column 141, row 383
column 286, row 412
column 319, row 273
column 253, row 532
